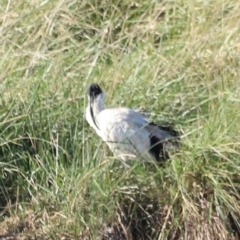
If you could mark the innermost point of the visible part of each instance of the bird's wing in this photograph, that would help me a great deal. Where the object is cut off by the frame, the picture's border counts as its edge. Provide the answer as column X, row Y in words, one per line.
column 144, row 113
column 124, row 129
column 159, row 132
column 121, row 120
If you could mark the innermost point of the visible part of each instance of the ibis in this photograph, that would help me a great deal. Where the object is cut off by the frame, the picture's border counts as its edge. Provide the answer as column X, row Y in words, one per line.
column 127, row 132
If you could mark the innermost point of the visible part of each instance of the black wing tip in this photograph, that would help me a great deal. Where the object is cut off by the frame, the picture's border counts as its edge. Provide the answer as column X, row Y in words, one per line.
column 157, row 149
column 94, row 90
column 168, row 128
column 171, row 130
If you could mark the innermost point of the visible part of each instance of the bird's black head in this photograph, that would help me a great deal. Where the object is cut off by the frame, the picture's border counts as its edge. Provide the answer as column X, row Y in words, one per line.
column 94, row 90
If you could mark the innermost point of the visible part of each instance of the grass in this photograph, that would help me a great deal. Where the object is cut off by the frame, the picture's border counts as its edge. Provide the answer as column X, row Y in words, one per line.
column 176, row 59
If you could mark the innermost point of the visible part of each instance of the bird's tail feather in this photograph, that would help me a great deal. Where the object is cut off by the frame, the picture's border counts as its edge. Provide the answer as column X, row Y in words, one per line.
column 162, row 139
column 164, row 132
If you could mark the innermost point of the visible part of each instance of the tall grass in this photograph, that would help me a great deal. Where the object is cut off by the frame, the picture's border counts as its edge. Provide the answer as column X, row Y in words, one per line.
column 178, row 60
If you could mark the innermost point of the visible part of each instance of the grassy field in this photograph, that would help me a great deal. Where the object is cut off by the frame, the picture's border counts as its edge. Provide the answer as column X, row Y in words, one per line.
column 179, row 60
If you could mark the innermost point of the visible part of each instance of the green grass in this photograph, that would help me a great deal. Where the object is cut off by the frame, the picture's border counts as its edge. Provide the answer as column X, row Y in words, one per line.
column 178, row 60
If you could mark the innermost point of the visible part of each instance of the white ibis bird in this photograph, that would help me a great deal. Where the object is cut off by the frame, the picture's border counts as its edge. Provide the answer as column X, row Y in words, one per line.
column 127, row 132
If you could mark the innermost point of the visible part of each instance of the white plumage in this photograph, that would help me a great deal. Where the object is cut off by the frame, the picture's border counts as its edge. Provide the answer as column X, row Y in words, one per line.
column 127, row 132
